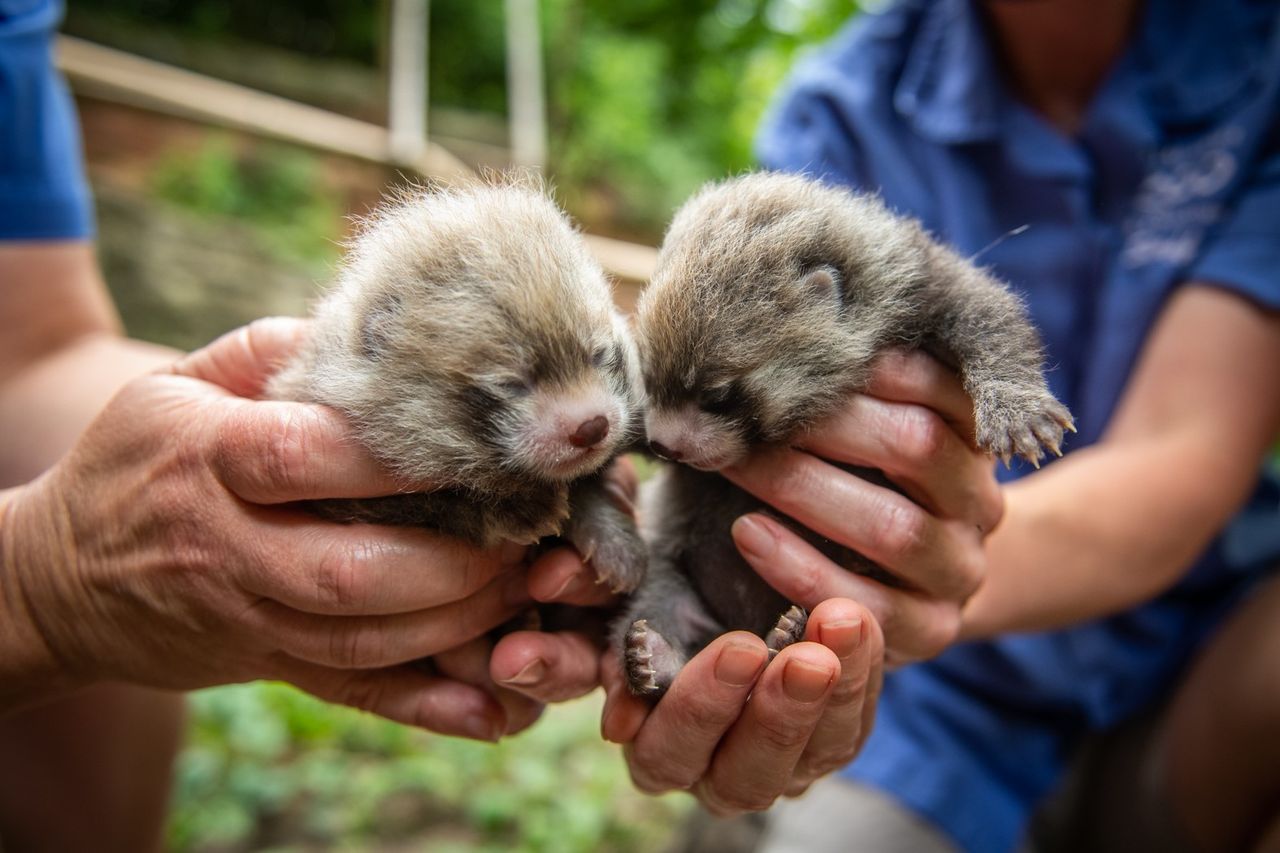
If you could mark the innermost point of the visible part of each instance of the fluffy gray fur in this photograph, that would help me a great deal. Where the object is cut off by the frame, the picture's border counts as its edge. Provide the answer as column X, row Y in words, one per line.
column 461, row 321
column 772, row 297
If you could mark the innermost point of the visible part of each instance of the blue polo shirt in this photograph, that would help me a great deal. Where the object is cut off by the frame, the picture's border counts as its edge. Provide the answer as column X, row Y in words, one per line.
column 1173, row 178
column 43, row 194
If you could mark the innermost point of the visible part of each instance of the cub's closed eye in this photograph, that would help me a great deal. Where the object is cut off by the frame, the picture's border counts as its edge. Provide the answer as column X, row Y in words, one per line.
column 513, row 386
column 601, row 357
column 719, row 400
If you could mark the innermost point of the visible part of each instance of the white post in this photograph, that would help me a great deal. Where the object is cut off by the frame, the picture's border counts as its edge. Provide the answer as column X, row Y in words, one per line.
column 526, row 105
column 408, row 96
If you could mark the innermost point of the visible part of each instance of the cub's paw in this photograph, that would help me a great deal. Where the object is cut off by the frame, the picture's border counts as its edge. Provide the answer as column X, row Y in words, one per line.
column 651, row 662
column 788, row 629
column 616, row 552
column 1022, row 425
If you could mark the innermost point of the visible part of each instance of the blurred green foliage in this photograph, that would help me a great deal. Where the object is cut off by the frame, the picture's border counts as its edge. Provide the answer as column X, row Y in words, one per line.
column 268, row 766
column 273, row 188
column 646, row 99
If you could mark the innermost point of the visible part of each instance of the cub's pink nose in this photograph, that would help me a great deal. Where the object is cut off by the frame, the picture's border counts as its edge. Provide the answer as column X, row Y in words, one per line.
column 590, row 433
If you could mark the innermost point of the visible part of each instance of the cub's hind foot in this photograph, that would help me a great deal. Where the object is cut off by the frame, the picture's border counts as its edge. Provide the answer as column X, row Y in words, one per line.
column 651, row 662
column 1022, row 425
column 789, row 629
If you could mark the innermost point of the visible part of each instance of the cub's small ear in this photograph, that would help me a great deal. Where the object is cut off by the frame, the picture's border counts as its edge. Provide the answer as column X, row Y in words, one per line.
column 375, row 329
column 823, row 284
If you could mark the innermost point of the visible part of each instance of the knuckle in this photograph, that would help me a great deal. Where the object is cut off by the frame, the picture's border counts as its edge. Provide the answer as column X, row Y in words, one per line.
column 847, row 692
column 901, row 532
column 359, row 646
column 232, row 441
column 364, row 694
column 339, row 577
column 781, row 733
column 747, row 800
column 939, row 631
column 286, row 461
column 711, row 800
column 921, row 437
column 475, row 569
column 993, row 507
column 805, row 581
column 969, row 570
column 646, row 780
column 705, row 718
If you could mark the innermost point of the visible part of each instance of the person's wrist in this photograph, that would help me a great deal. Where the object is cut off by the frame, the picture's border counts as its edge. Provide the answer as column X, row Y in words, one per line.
column 30, row 670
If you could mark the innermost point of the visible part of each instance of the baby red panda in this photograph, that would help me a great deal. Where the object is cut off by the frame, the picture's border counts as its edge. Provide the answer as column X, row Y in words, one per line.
column 772, row 297
column 472, row 342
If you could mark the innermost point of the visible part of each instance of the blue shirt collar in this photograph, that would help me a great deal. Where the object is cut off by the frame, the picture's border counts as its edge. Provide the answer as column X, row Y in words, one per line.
column 950, row 88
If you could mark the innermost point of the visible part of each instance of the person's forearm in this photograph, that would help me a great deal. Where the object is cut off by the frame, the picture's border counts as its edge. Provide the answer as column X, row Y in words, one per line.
column 49, row 401
column 44, row 406
column 1099, row 532
column 1115, row 524
column 29, row 672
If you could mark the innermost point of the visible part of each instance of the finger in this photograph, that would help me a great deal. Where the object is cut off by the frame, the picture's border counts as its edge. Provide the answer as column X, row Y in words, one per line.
column 546, row 667
column 242, row 360
column 623, row 477
column 942, row 558
column 623, row 714
column 916, row 449
column 674, row 746
column 915, row 626
column 758, row 757
column 469, row 663
column 912, row 376
column 561, row 576
column 275, row 452
column 406, row 695
column 366, row 642
column 337, row 569
column 851, row 632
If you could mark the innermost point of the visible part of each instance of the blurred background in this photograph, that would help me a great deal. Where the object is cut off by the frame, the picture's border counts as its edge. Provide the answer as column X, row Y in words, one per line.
column 218, row 202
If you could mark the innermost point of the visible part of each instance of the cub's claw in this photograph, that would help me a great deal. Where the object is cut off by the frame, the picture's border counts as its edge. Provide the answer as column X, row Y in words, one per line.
column 650, row 661
column 789, row 629
column 1024, row 427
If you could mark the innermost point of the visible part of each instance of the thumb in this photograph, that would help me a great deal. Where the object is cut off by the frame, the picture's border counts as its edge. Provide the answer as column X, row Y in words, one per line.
column 242, row 360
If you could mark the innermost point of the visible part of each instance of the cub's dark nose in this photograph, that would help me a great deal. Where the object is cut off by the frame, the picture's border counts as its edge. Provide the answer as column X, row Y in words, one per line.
column 665, row 452
column 590, row 433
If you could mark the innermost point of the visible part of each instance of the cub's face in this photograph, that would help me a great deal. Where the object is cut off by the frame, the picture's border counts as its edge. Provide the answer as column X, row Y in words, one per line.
column 754, row 369
column 744, row 331
column 486, row 345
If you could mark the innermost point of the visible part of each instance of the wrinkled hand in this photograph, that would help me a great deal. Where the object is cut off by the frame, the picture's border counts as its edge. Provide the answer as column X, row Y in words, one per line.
column 166, row 550
column 915, row 423
column 738, row 734
column 730, row 730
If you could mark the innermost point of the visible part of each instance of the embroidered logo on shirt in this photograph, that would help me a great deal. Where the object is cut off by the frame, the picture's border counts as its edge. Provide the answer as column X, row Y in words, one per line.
column 1180, row 198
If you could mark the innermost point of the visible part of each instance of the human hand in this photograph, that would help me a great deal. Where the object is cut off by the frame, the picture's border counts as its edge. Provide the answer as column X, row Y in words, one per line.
column 915, row 423
column 738, row 734
column 553, row 666
column 166, row 550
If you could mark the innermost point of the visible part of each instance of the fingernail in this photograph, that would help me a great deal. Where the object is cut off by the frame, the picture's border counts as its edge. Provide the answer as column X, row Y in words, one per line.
column 804, row 682
column 516, row 592
column 842, row 636
column 483, row 727
column 512, row 554
column 755, row 537
column 739, row 664
column 532, row 673
column 563, row 589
